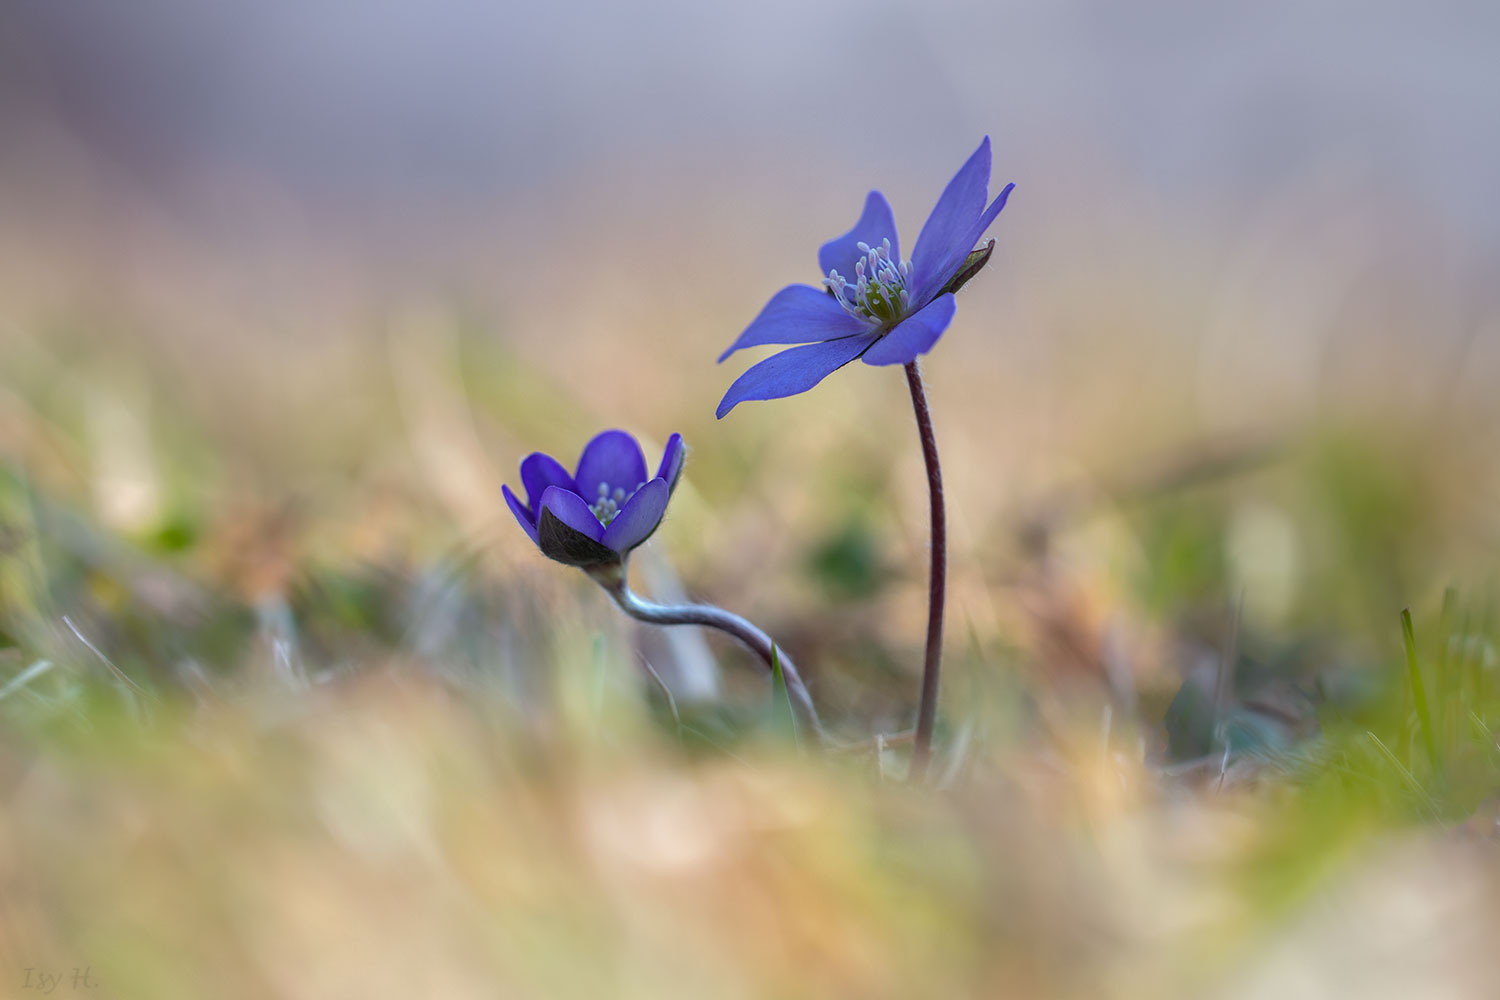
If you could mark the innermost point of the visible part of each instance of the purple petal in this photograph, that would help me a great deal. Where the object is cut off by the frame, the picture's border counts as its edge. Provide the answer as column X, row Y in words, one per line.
column 793, row 371
column 948, row 235
column 612, row 458
column 569, row 508
column 914, row 335
column 990, row 213
column 638, row 518
column 875, row 224
column 671, row 461
column 798, row 314
column 523, row 516
column 540, row 471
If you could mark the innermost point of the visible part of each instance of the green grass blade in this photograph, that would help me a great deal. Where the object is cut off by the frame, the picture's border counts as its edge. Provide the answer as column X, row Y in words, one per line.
column 1418, row 691
column 783, row 719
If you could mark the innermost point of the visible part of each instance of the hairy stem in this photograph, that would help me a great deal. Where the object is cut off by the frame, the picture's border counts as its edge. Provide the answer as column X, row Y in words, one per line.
column 937, row 587
column 709, row 616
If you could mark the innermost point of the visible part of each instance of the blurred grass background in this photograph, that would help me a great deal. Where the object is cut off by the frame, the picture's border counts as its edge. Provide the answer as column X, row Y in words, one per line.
column 291, row 708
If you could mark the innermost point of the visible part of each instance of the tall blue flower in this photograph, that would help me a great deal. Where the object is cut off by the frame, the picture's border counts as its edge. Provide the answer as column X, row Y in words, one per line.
column 595, row 516
column 881, row 308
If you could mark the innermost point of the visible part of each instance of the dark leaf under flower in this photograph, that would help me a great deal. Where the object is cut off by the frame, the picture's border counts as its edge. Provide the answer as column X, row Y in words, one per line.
column 569, row 545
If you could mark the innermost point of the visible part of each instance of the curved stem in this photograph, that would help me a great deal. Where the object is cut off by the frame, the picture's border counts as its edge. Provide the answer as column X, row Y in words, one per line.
column 709, row 616
column 927, row 706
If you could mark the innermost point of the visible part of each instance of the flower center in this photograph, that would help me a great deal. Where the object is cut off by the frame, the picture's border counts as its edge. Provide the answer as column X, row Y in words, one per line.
column 878, row 293
column 610, row 500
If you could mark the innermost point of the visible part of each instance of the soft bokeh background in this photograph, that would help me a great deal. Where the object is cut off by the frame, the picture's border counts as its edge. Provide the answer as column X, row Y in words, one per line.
column 287, row 290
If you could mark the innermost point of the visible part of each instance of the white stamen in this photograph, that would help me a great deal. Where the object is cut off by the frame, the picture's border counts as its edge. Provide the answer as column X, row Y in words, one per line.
column 610, row 502
column 878, row 292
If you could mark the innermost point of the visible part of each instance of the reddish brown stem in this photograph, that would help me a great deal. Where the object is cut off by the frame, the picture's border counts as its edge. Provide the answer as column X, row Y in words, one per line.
column 927, row 707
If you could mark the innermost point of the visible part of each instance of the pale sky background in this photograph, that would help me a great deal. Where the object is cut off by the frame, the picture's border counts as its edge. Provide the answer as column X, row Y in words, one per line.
column 380, row 103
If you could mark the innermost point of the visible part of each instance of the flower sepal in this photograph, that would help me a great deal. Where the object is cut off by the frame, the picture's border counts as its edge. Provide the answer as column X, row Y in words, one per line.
column 973, row 264
column 568, row 545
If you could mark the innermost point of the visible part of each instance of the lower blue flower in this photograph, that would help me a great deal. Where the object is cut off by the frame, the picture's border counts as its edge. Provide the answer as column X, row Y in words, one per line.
column 873, row 305
column 603, row 510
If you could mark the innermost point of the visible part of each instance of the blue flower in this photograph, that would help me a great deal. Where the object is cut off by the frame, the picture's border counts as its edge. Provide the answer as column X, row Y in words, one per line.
column 881, row 308
column 608, row 507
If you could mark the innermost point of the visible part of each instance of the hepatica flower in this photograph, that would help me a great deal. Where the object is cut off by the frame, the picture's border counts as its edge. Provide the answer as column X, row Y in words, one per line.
column 873, row 304
column 607, row 507
column 593, row 518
